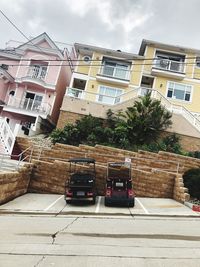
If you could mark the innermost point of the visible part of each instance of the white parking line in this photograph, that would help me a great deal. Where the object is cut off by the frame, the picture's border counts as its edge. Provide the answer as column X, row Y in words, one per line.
column 98, row 205
column 145, row 210
column 53, row 203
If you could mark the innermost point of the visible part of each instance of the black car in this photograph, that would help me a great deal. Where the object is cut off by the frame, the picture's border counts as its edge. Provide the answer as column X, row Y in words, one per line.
column 81, row 183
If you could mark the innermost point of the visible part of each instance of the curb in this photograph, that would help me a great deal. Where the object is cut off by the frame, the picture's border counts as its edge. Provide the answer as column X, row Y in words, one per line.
column 193, row 206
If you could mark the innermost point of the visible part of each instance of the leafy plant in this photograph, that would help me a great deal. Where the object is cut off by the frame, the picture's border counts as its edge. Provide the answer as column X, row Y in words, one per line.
column 192, row 182
column 145, row 120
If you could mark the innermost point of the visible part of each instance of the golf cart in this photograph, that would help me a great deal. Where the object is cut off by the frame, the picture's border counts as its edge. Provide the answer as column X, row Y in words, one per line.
column 81, row 183
column 119, row 184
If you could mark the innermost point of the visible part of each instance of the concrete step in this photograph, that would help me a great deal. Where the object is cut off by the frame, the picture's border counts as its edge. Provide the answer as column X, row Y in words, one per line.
column 7, row 164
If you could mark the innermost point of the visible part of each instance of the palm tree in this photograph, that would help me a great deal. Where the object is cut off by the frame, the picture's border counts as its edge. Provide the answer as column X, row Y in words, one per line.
column 145, row 120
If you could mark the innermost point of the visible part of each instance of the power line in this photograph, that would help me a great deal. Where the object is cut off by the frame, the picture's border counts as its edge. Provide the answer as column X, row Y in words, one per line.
column 38, row 47
column 17, row 28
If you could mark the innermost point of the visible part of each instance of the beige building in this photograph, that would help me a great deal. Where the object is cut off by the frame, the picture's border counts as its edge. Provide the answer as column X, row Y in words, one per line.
column 105, row 78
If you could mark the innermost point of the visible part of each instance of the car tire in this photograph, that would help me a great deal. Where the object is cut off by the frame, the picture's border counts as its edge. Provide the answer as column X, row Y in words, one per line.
column 132, row 203
column 68, row 201
column 94, row 200
column 106, row 203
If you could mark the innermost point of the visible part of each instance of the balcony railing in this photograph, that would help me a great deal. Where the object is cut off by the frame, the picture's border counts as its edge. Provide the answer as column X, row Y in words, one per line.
column 115, row 72
column 29, row 105
column 37, row 72
column 169, row 65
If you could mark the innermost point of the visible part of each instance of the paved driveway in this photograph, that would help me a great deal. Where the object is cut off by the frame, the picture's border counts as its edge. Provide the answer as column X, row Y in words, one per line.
column 55, row 204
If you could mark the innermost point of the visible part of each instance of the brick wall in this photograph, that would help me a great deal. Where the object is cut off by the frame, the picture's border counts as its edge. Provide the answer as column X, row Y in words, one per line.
column 67, row 117
column 153, row 174
column 14, row 184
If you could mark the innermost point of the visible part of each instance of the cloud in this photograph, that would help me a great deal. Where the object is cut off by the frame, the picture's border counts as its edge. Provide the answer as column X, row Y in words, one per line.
column 109, row 23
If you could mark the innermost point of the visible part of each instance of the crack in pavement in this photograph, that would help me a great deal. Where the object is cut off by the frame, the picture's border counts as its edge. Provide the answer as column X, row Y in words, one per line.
column 63, row 229
column 37, row 264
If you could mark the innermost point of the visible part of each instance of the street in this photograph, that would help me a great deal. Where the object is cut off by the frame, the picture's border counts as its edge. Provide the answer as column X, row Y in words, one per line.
column 96, row 238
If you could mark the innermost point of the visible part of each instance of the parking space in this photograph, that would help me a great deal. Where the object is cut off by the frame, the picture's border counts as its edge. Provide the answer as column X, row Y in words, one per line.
column 55, row 204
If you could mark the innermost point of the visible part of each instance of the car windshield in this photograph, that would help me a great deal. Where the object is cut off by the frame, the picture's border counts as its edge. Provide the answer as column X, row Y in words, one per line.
column 82, row 179
column 118, row 170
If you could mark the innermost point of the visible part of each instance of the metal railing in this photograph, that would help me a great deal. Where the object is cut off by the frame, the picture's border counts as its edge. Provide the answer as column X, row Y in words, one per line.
column 8, row 162
column 169, row 65
column 29, row 104
column 115, row 72
column 37, row 72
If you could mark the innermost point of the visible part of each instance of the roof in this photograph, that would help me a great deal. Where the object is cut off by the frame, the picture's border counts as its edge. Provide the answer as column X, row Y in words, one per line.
column 84, row 160
column 110, row 52
column 33, row 43
column 170, row 47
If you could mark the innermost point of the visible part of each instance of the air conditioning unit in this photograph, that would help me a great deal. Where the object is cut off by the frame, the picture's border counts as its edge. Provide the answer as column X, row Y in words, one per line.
column 164, row 63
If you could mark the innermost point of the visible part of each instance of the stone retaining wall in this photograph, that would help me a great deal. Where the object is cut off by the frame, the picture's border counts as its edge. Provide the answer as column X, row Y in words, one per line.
column 14, row 184
column 153, row 174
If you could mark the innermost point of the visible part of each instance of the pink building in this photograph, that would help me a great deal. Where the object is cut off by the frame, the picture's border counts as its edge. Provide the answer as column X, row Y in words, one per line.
column 33, row 78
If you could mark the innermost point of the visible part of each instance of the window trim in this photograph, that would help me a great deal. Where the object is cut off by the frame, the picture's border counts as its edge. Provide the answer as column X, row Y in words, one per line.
column 179, row 100
column 109, row 87
column 117, row 63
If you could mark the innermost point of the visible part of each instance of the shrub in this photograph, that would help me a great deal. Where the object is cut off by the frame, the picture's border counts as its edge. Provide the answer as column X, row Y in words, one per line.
column 192, row 182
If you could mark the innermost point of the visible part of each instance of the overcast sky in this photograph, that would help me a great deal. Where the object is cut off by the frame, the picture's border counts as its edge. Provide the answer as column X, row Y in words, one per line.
column 116, row 24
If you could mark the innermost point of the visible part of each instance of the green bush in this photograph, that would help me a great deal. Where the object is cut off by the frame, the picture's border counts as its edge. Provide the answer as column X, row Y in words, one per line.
column 194, row 154
column 192, row 182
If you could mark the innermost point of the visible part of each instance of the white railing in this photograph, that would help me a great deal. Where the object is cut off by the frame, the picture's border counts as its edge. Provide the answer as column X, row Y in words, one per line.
column 37, row 72
column 29, row 104
column 115, row 72
column 6, row 135
column 177, row 109
column 133, row 94
column 169, row 65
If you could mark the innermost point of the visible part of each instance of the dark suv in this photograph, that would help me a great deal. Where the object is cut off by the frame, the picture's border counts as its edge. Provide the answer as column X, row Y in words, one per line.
column 81, row 183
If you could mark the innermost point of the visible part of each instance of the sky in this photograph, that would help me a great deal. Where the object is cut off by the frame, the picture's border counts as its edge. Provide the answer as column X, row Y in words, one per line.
column 115, row 24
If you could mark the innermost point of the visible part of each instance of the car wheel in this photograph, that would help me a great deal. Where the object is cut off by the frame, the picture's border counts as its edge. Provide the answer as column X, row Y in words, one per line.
column 68, row 201
column 106, row 203
column 94, row 200
column 132, row 203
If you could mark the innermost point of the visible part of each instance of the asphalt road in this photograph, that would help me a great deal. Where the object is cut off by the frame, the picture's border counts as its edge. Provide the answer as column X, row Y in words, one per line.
column 93, row 241
column 41, row 230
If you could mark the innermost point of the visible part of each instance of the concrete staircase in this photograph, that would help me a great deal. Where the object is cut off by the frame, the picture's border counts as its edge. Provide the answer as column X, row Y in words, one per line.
column 9, row 165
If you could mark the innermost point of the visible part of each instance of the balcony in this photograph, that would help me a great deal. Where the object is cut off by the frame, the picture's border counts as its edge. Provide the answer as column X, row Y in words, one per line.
column 27, row 106
column 168, row 68
column 36, row 74
column 115, row 74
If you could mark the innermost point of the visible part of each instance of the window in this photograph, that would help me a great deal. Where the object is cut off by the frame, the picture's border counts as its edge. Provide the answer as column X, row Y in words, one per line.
column 198, row 62
column 37, row 69
column 4, row 66
column 87, row 59
column 179, row 91
column 169, row 62
column 109, row 95
column 115, row 69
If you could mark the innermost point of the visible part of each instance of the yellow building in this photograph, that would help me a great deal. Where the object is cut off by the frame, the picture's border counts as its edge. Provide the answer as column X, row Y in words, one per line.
column 105, row 78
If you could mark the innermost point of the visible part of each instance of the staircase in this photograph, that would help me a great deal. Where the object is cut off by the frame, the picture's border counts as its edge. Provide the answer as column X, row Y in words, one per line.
column 9, row 165
column 85, row 106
